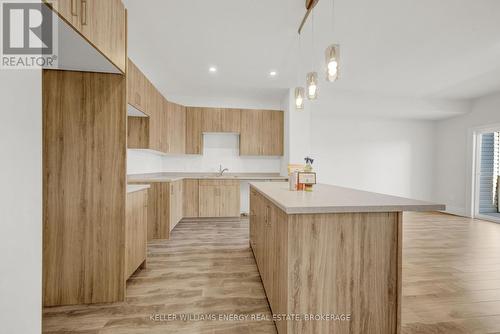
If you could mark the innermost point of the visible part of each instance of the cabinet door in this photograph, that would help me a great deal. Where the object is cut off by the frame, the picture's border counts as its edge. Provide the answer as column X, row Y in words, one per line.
column 280, row 267
column 190, row 198
column 229, row 205
column 256, row 226
column 69, row 10
column 156, row 121
column 269, row 250
column 175, row 203
column 103, row 23
column 251, row 131
column 272, row 132
column 179, row 129
column 209, row 198
column 230, row 120
column 136, row 231
column 211, row 120
column 194, row 135
column 136, row 82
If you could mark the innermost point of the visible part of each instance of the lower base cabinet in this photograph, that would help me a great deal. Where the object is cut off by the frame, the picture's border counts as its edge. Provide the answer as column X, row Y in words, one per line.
column 169, row 202
column 136, row 231
column 219, row 198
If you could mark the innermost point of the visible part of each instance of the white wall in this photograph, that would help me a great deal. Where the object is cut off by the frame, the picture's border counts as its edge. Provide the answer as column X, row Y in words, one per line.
column 454, row 153
column 21, row 201
column 391, row 156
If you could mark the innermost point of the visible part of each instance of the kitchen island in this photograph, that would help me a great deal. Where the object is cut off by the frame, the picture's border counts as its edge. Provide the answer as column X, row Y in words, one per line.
column 330, row 260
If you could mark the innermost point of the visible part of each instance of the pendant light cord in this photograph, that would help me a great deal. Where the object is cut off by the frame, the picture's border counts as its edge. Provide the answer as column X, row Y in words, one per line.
column 299, row 53
column 312, row 40
column 333, row 17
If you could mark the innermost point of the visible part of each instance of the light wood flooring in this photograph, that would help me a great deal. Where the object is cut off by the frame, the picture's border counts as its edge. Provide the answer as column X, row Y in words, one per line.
column 451, row 282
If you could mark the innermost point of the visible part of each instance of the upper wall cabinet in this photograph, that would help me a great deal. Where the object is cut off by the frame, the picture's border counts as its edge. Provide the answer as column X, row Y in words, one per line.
column 174, row 129
column 103, row 24
column 221, row 120
column 194, row 133
column 137, row 90
column 261, row 132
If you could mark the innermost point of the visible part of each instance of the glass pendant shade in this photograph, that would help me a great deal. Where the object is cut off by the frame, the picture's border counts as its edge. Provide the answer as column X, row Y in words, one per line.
column 312, row 85
column 299, row 98
column 332, row 62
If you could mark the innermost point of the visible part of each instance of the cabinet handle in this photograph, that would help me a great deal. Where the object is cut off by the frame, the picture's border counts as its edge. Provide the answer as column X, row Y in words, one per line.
column 84, row 12
column 73, row 7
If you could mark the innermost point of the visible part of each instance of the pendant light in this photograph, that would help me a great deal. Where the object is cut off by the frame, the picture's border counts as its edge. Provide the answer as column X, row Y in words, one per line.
column 332, row 62
column 332, row 54
column 312, row 85
column 312, row 77
column 299, row 91
column 299, row 98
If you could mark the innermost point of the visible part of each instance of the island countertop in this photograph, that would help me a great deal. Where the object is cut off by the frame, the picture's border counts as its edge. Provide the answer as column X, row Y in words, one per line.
column 334, row 199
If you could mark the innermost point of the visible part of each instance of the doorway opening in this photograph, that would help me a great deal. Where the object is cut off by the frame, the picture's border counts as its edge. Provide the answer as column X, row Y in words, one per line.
column 487, row 183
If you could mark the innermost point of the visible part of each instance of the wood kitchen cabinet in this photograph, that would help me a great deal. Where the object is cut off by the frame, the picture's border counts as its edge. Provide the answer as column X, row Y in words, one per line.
column 138, row 132
column 174, row 129
column 137, row 90
column 219, row 198
column 190, row 198
column 136, row 231
column 103, row 23
column 261, row 132
column 221, row 120
column 175, row 203
column 194, row 132
column 84, row 181
column 230, row 120
column 251, row 132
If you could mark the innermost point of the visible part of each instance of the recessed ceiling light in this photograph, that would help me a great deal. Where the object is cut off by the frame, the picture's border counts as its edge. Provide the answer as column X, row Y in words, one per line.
column 212, row 69
column 273, row 73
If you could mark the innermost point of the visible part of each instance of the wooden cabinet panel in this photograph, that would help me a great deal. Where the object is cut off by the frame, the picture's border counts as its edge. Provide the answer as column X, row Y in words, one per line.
column 159, row 211
column 136, row 231
column 84, row 172
column 138, row 132
column 209, row 198
column 219, row 198
column 178, row 129
column 194, row 133
column 251, row 131
column 230, row 120
column 176, row 198
column 69, row 10
column 190, row 198
column 229, row 205
column 272, row 133
column 269, row 242
column 103, row 23
column 136, row 88
column 211, row 120
column 261, row 132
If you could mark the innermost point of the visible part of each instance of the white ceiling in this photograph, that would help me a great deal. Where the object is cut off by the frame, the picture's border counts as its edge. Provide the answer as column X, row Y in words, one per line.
column 419, row 49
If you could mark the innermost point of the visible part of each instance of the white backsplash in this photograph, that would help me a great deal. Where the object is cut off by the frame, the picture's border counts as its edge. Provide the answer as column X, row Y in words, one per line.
column 219, row 148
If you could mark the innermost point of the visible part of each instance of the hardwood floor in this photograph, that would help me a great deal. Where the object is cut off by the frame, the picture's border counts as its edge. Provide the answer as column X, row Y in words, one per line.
column 451, row 275
column 451, row 282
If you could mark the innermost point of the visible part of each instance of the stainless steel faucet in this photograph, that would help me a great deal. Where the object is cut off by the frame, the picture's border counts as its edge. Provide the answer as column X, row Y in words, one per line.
column 221, row 171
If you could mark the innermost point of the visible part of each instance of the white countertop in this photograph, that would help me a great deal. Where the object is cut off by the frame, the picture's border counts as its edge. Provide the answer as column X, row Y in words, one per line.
column 169, row 177
column 333, row 199
column 137, row 187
